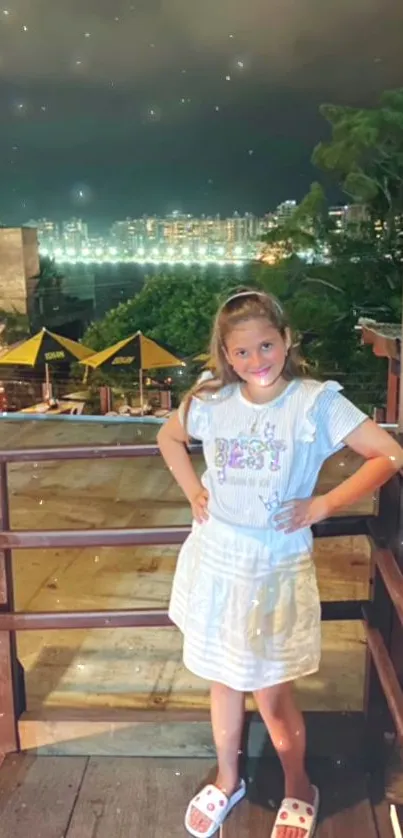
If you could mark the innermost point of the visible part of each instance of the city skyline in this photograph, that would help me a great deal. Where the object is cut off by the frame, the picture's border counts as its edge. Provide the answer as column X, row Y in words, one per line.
column 175, row 238
column 128, row 108
column 175, row 213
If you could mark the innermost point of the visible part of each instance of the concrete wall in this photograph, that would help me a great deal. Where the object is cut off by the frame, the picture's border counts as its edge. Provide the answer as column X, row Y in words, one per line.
column 19, row 264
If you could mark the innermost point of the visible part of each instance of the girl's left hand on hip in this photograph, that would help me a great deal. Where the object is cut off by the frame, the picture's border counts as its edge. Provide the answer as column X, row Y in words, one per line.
column 297, row 514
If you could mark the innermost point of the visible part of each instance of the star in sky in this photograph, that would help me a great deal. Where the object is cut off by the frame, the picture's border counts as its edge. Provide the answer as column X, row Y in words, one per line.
column 148, row 102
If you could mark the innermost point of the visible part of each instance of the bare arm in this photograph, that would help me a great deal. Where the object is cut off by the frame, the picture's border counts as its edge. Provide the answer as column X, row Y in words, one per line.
column 172, row 444
column 384, row 457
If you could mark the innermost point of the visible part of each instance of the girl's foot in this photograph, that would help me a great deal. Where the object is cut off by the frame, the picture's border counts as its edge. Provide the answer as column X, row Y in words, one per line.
column 301, row 810
column 202, row 823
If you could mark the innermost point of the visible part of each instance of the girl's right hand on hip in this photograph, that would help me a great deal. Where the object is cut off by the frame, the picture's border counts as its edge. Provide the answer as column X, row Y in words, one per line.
column 199, row 506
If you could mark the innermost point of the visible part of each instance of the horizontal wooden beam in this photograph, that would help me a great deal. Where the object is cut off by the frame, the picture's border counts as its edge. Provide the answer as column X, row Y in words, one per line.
column 135, row 618
column 39, row 539
column 83, row 452
column 40, row 620
column 34, row 539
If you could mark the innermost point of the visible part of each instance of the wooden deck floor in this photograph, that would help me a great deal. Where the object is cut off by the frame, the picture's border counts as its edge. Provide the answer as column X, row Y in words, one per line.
column 100, row 797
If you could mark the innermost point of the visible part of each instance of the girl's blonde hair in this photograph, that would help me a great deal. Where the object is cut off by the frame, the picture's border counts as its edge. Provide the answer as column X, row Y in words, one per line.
column 246, row 304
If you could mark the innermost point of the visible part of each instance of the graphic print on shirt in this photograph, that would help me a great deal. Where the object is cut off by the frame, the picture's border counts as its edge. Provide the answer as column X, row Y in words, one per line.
column 248, row 452
column 271, row 505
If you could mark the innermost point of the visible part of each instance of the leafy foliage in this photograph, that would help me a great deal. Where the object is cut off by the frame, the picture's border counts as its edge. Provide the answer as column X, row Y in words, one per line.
column 366, row 153
column 356, row 271
column 176, row 310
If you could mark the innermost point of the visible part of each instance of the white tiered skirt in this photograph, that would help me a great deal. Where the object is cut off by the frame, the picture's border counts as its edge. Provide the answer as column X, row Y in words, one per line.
column 250, row 618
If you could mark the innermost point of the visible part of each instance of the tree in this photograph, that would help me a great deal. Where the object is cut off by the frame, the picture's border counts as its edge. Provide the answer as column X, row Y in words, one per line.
column 306, row 229
column 176, row 309
column 355, row 271
column 323, row 313
column 366, row 154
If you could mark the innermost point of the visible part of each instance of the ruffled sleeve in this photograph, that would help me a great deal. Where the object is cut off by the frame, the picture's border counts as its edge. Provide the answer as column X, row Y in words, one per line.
column 328, row 416
column 198, row 419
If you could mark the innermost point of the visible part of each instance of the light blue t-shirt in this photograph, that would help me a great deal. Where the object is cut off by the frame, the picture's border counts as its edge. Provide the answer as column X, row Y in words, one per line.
column 260, row 455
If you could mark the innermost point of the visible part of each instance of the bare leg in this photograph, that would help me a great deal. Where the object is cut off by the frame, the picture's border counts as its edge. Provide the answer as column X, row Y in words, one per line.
column 286, row 728
column 227, row 716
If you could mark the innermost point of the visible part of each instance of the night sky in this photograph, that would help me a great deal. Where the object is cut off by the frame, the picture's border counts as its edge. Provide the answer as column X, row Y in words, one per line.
column 112, row 108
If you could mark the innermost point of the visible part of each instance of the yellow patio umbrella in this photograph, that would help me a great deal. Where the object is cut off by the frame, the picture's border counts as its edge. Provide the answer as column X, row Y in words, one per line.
column 45, row 348
column 136, row 351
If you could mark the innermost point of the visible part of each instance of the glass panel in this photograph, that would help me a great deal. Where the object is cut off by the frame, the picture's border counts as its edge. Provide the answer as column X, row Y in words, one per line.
column 141, row 667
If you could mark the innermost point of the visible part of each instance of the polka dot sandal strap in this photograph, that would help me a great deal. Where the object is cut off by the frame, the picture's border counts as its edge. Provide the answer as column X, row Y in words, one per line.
column 298, row 815
column 214, row 804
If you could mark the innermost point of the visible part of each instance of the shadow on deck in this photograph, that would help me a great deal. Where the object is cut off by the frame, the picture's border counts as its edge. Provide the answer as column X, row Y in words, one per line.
column 99, row 797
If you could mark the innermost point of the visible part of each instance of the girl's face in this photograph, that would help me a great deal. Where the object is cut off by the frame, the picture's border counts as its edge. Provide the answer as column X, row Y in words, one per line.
column 257, row 352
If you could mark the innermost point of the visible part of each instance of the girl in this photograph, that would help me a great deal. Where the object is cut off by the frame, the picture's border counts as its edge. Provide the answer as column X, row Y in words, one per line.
column 245, row 594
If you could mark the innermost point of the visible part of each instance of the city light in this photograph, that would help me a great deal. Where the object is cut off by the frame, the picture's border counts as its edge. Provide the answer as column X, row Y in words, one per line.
column 178, row 238
column 101, row 256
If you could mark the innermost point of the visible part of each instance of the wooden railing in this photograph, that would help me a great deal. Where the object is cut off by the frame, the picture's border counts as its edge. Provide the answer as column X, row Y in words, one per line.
column 382, row 613
column 383, row 703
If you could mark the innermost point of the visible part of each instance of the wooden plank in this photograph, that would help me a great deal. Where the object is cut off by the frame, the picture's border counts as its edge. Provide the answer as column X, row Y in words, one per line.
column 38, row 795
column 138, row 797
column 356, row 820
column 249, row 820
column 255, row 816
column 14, row 769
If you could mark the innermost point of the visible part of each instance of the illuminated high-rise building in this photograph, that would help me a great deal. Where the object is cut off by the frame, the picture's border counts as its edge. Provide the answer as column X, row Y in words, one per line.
column 125, row 236
column 338, row 216
column 284, row 211
column 48, row 233
column 75, row 234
